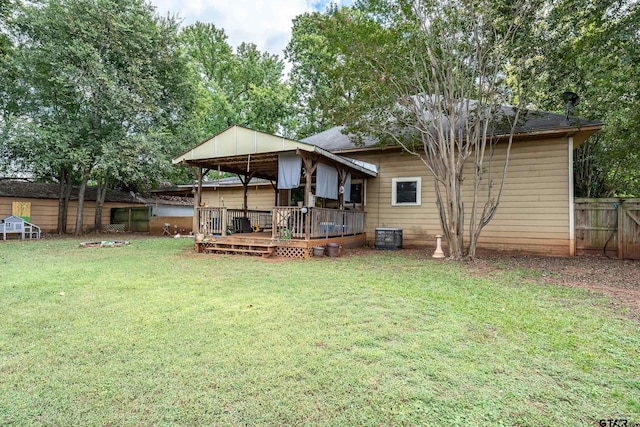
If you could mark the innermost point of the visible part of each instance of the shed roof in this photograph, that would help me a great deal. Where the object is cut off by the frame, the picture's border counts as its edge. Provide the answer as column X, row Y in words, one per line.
column 41, row 190
column 167, row 199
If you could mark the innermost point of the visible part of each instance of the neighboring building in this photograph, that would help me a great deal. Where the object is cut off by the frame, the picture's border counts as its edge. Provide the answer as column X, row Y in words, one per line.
column 225, row 192
column 39, row 202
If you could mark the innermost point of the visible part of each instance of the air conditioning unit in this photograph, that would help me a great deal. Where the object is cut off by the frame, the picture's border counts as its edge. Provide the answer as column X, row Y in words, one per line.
column 389, row 238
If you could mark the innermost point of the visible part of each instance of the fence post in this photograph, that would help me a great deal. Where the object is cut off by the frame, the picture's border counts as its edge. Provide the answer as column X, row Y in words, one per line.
column 274, row 223
column 620, row 239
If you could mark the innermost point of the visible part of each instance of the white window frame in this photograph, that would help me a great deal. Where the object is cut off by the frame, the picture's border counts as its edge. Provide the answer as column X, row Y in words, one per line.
column 394, row 187
column 364, row 192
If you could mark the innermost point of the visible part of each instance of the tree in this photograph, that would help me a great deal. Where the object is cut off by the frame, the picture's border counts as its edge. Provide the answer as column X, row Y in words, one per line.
column 243, row 87
column 312, row 59
column 595, row 53
column 100, row 78
column 6, row 9
column 431, row 77
column 7, row 76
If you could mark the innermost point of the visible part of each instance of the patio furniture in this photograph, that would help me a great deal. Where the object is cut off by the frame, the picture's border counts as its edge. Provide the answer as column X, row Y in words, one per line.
column 242, row 225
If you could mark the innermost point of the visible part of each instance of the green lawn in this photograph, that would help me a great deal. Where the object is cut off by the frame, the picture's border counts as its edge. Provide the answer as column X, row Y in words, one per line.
column 153, row 334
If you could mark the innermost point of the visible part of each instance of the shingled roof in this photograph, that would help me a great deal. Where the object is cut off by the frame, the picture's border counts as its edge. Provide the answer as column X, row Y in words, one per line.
column 40, row 190
column 534, row 123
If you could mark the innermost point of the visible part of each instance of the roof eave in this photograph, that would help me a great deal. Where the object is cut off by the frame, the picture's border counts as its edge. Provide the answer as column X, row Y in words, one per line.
column 345, row 162
column 539, row 134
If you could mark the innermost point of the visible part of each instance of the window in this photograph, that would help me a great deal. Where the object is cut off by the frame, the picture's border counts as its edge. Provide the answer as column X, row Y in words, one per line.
column 406, row 191
column 356, row 193
column 296, row 195
column 22, row 210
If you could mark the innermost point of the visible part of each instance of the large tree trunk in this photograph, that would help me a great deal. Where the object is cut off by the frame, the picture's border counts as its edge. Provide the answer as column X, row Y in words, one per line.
column 63, row 199
column 100, row 196
column 80, row 211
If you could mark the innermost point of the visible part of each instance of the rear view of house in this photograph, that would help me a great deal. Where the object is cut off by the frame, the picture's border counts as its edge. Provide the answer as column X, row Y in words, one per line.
column 388, row 187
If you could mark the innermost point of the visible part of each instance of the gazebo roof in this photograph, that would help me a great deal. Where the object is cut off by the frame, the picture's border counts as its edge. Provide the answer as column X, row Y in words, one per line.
column 242, row 151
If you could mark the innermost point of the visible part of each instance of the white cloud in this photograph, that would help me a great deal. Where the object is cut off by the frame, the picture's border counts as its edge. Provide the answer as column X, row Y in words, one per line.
column 264, row 23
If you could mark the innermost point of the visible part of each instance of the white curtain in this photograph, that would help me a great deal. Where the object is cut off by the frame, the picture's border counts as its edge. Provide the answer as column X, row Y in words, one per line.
column 326, row 182
column 289, row 170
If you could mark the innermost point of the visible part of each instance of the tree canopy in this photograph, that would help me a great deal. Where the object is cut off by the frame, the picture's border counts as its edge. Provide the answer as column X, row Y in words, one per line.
column 315, row 93
column 593, row 49
column 96, row 81
column 242, row 87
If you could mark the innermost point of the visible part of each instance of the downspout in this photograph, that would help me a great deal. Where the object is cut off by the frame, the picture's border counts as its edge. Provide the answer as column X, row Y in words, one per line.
column 572, row 225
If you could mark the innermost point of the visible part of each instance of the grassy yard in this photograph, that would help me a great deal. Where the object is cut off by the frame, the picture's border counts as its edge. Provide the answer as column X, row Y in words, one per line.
column 153, row 334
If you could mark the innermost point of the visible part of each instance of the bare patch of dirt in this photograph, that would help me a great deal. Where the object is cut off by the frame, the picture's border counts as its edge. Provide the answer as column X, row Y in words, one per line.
column 619, row 279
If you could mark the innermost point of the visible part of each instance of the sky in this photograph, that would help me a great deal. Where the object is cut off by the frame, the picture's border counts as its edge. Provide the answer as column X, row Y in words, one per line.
column 265, row 23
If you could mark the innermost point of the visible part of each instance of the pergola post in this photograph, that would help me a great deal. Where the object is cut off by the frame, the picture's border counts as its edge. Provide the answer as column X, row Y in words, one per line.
column 245, row 179
column 274, row 185
column 342, row 174
column 198, row 173
column 310, row 166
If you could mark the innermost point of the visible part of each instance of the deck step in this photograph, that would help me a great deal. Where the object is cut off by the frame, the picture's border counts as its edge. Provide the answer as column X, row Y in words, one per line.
column 265, row 251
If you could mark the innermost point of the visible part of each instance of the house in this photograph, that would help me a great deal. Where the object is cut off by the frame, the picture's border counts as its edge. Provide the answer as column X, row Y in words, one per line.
column 389, row 188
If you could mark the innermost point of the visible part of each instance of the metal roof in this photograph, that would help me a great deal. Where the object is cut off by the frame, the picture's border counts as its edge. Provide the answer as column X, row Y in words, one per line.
column 241, row 150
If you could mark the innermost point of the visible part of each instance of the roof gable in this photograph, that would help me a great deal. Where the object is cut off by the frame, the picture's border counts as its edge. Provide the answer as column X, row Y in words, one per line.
column 245, row 151
column 240, row 141
column 12, row 218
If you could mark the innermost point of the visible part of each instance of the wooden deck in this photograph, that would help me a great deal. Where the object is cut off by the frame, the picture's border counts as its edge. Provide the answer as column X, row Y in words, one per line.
column 264, row 244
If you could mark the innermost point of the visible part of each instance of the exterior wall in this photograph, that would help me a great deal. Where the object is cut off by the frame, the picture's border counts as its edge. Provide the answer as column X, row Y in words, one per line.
column 44, row 212
column 260, row 197
column 172, row 210
column 177, row 224
column 533, row 215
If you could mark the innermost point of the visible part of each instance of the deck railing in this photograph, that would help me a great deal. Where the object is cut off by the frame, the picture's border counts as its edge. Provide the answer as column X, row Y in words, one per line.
column 211, row 221
column 257, row 218
column 334, row 223
column 285, row 222
column 292, row 222
column 220, row 220
column 288, row 223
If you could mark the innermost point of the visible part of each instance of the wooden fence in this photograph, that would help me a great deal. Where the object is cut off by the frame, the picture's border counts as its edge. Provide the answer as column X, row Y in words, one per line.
column 134, row 218
column 610, row 226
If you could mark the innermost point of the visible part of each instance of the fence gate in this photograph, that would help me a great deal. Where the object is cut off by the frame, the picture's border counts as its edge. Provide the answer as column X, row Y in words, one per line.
column 134, row 219
column 629, row 229
column 610, row 226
